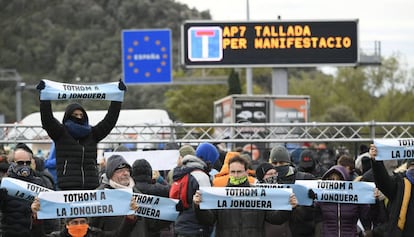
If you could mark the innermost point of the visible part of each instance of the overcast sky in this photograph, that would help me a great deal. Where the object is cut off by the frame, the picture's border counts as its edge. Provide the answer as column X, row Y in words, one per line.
column 389, row 21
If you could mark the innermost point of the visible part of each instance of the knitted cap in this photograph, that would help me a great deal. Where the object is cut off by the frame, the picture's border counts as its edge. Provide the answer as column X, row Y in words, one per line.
column 279, row 154
column 23, row 146
column 262, row 169
column 141, row 167
column 207, row 152
column 186, row 150
column 115, row 162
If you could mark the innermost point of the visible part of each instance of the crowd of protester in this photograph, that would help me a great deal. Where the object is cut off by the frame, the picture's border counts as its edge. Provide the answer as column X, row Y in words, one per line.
column 211, row 166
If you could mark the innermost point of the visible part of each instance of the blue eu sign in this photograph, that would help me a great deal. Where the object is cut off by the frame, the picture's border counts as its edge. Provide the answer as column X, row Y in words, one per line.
column 146, row 56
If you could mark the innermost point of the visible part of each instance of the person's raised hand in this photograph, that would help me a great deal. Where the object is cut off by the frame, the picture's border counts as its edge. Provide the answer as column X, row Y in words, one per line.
column 311, row 194
column 35, row 207
column 133, row 205
column 293, row 201
column 197, row 198
column 121, row 85
column 372, row 151
column 41, row 85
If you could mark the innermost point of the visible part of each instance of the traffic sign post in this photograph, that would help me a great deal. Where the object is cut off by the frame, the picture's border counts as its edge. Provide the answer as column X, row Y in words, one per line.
column 146, row 56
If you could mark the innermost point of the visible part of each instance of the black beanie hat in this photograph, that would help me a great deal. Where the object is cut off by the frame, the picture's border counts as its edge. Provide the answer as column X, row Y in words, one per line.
column 23, row 147
column 262, row 169
column 141, row 167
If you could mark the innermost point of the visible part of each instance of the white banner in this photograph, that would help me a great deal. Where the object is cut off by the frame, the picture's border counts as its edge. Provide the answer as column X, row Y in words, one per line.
column 159, row 160
column 341, row 191
column 394, row 149
column 245, row 198
column 156, row 207
column 64, row 91
column 85, row 203
column 22, row 189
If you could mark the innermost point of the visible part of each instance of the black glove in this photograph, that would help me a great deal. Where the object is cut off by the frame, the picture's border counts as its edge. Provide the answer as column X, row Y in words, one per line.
column 179, row 206
column 41, row 85
column 121, row 85
column 368, row 233
column 311, row 194
column 3, row 194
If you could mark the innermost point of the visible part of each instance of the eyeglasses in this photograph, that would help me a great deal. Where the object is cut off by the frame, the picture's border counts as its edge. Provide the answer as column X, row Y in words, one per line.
column 78, row 222
column 24, row 162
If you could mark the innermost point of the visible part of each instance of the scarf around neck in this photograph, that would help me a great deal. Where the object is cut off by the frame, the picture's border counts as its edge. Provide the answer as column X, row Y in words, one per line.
column 77, row 130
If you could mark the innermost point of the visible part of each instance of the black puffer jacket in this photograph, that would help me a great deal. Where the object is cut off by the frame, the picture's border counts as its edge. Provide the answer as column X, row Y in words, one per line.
column 76, row 158
column 393, row 188
column 17, row 215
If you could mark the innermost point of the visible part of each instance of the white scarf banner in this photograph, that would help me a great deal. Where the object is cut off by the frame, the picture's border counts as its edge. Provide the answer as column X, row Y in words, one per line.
column 245, row 198
column 85, row 203
column 159, row 160
column 394, row 149
column 64, row 91
column 341, row 191
column 22, row 189
column 301, row 192
column 156, row 207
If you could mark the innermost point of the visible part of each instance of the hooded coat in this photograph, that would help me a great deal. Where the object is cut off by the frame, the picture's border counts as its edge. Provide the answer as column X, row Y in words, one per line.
column 76, row 165
column 186, row 223
column 340, row 219
column 221, row 179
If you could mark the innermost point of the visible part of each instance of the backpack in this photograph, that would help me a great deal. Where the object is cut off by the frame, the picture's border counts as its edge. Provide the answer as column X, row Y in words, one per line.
column 178, row 191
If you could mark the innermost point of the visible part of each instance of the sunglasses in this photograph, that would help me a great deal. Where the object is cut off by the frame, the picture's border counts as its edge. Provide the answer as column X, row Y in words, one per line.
column 25, row 162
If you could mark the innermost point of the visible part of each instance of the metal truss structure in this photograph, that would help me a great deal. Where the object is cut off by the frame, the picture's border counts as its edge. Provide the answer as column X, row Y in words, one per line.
column 229, row 133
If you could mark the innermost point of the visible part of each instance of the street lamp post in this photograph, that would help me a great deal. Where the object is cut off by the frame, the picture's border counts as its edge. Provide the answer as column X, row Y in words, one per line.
column 249, row 74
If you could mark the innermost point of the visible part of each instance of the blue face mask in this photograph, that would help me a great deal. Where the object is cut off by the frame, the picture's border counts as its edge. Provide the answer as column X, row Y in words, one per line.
column 410, row 175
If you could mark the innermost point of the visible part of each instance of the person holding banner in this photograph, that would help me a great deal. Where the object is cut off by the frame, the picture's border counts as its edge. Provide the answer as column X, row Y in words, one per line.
column 142, row 175
column 16, row 219
column 239, row 222
column 80, row 227
column 75, row 139
column 340, row 219
column 186, row 223
column 400, row 193
column 117, row 176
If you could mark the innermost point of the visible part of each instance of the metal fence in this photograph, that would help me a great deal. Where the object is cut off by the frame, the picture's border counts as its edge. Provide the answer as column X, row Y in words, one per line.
column 229, row 133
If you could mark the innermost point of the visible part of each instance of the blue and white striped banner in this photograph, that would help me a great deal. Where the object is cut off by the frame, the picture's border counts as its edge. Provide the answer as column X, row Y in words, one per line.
column 22, row 189
column 394, row 149
column 341, row 191
column 64, row 91
column 300, row 192
column 156, row 207
column 85, row 203
column 245, row 198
